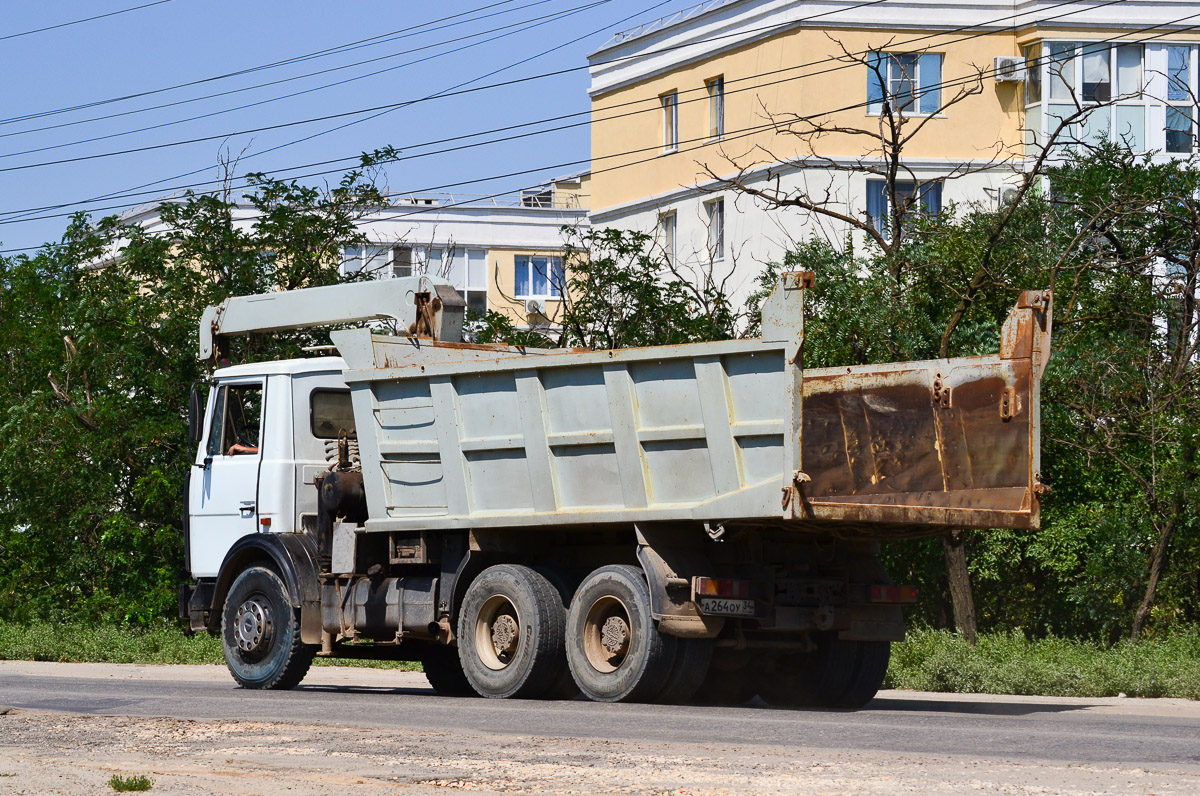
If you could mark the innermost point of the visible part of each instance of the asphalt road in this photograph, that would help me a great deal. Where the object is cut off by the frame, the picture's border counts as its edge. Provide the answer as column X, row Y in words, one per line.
column 1113, row 731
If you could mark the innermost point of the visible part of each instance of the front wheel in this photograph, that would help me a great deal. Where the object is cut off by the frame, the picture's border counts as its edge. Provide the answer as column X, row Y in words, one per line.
column 260, row 633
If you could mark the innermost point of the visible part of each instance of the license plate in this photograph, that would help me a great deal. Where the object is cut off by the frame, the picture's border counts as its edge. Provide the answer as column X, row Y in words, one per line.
column 718, row 607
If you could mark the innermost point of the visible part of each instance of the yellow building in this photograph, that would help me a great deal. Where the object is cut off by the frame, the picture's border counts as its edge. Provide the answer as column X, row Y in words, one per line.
column 798, row 100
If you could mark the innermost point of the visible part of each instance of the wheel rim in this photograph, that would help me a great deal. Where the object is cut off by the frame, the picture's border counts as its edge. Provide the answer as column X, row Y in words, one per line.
column 254, row 625
column 497, row 632
column 607, row 634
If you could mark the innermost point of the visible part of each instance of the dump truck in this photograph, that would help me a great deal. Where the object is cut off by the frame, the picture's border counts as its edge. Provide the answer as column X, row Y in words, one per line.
column 697, row 522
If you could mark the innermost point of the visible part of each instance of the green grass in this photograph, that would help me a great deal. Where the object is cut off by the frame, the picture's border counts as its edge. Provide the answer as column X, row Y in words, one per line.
column 931, row 660
column 133, row 782
column 935, row 660
column 83, row 643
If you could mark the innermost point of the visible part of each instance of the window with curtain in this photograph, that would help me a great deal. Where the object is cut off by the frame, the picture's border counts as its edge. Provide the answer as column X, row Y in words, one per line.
column 538, row 277
column 670, row 121
column 715, row 210
column 926, row 198
column 911, row 82
column 1181, row 110
column 716, row 107
column 666, row 229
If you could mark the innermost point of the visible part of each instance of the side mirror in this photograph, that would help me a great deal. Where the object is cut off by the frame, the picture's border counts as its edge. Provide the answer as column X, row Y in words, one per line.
column 195, row 414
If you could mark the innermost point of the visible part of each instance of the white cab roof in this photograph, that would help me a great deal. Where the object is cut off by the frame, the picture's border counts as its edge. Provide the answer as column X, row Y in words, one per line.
column 289, row 367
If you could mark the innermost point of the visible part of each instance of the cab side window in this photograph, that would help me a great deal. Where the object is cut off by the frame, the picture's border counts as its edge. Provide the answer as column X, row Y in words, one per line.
column 237, row 418
column 331, row 414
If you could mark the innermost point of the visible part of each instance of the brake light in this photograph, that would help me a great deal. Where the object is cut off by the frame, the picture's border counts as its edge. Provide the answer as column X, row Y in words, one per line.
column 723, row 587
column 893, row 594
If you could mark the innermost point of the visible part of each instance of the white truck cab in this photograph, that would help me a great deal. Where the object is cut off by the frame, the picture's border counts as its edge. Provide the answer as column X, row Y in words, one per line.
column 269, row 430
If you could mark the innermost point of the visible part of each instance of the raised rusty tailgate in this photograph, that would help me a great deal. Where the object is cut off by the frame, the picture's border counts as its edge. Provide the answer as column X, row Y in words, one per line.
column 948, row 442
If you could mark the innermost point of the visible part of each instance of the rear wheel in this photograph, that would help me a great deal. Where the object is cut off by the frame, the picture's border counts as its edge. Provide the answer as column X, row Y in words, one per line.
column 614, row 649
column 731, row 680
column 510, row 633
column 260, row 633
column 836, row 674
column 693, row 659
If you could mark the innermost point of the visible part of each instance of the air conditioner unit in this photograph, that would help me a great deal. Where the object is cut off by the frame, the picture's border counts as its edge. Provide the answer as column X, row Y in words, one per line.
column 535, row 307
column 1008, row 69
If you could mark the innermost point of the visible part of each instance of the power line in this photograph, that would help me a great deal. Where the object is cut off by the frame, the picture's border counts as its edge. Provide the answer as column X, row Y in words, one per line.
column 521, row 27
column 836, row 67
column 281, row 81
column 443, row 93
column 389, row 36
column 449, row 92
column 306, row 91
column 298, row 122
column 656, row 150
column 81, row 21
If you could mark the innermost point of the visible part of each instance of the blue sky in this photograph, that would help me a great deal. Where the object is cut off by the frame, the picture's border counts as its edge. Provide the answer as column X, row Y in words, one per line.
column 180, row 41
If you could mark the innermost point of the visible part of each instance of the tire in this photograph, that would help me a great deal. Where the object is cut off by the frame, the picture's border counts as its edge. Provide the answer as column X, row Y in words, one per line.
column 444, row 672
column 614, row 649
column 693, row 658
column 869, row 672
column 838, row 674
column 510, row 633
column 260, row 633
column 731, row 680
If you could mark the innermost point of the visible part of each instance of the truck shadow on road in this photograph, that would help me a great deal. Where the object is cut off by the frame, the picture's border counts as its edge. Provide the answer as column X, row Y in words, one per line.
column 979, row 708
column 884, row 704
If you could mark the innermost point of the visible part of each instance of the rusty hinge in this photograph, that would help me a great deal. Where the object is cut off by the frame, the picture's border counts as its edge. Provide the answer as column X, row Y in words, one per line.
column 1008, row 404
column 795, row 280
column 941, row 393
column 790, row 492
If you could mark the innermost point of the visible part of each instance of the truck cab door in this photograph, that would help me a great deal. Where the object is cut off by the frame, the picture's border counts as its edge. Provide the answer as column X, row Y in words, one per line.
column 223, row 499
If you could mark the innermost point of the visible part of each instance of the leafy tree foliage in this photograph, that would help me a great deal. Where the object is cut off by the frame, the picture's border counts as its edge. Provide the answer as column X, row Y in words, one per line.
column 98, row 358
column 1118, row 238
column 620, row 291
column 99, row 333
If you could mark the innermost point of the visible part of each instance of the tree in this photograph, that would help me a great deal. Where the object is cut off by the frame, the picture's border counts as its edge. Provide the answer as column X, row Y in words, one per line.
column 1130, row 385
column 99, row 356
column 829, row 145
column 618, row 290
column 1119, row 242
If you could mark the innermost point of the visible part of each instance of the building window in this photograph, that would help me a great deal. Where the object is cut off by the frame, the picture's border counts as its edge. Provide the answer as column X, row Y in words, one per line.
column 1128, row 83
column 378, row 261
column 538, row 277
column 1181, row 116
column 402, row 261
column 666, row 229
column 909, row 82
column 466, row 269
column 715, row 210
column 926, row 200
column 716, row 107
column 537, row 197
column 670, row 121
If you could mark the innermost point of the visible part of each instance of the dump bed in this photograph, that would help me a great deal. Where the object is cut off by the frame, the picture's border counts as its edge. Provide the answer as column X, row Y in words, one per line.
column 462, row 437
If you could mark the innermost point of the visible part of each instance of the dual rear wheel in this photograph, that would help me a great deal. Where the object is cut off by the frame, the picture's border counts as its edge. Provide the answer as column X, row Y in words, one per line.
column 517, row 639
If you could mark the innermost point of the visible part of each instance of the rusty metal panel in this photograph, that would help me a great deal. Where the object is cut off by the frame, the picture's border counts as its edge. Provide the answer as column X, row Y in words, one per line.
column 950, row 442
